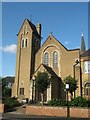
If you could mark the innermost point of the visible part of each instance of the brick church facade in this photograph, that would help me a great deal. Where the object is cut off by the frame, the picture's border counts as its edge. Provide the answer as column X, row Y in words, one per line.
column 52, row 57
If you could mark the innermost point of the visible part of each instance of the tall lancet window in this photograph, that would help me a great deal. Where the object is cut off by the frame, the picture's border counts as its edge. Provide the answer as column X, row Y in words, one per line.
column 23, row 43
column 55, row 59
column 26, row 42
column 46, row 59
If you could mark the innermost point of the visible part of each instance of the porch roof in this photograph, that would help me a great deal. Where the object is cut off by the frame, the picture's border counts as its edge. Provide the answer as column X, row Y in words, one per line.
column 48, row 69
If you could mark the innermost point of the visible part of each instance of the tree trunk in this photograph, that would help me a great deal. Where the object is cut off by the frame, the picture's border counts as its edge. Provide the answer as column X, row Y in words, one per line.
column 74, row 94
column 71, row 95
column 42, row 98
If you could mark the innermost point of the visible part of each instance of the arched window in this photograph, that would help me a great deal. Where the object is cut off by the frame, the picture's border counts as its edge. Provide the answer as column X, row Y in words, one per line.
column 46, row 59
column 87, row 89
column 55, row 59
column 26, row 42
column 23, row 43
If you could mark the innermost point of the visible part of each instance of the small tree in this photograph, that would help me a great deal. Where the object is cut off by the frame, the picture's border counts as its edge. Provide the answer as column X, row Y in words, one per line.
column 6, row 91
column 72, row 84
column 42, row 83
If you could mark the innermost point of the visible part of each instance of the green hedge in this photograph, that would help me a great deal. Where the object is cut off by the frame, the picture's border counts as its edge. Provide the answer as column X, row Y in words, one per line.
column 88, row 103
column 56, row 102
column 78, row 102
column 11, row 102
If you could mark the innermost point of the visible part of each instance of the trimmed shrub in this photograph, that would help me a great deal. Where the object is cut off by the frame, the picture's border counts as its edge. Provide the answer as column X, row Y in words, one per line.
column 79, row 101
column 88, row 103
column 11, row 102
column 56, row 102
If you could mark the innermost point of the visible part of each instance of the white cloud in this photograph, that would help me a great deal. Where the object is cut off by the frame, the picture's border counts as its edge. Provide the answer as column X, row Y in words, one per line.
column 9, row 48
column 66, row 42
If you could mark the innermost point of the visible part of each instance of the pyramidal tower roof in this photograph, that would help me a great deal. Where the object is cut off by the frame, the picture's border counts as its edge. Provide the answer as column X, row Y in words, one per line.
column 83, row 47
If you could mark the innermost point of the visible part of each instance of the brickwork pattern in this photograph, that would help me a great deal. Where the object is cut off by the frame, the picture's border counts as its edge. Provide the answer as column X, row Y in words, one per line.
column 57, row 111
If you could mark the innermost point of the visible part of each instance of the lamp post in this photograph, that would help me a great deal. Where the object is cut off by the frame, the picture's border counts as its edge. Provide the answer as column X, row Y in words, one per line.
column 67, row 88
column 76, row 63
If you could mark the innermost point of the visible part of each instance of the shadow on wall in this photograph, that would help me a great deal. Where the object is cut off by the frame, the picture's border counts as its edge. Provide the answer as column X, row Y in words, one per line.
column 62, row 90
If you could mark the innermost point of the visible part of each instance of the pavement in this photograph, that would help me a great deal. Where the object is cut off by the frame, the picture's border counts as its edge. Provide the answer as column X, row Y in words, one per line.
column 27, row 117
column 17, row 110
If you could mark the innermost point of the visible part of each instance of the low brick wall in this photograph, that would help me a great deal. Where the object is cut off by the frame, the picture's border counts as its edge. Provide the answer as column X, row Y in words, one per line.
column 79, row 112
column 1, row 108
column 46, row 111
column 57, row 111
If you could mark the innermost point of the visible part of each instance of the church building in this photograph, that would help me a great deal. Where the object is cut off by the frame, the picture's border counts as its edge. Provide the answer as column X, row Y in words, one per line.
column 52, row 57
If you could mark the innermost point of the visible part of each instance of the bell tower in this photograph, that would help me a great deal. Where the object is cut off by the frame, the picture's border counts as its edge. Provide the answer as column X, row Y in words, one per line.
column 25, row 59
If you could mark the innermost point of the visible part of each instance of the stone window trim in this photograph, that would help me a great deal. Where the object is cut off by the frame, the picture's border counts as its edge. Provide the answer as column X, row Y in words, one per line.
column 24, row 42
column 45, row 49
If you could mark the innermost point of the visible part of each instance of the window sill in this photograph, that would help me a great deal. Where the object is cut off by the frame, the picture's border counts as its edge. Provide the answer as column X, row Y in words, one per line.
column 87, row 73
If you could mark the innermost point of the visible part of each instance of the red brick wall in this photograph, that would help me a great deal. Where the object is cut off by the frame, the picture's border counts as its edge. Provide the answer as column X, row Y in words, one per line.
column 1, row 108
column 47, row 111
column 57, row 111
column 89, row 113
column 79, row 112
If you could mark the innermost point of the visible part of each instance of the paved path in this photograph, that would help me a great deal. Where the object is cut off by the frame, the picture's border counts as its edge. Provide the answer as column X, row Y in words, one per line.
column 17, row 110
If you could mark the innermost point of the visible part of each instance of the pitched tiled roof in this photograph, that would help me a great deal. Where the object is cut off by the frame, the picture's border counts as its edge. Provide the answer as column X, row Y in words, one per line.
column 86, row 54
column 49, row 69
column 33, row 27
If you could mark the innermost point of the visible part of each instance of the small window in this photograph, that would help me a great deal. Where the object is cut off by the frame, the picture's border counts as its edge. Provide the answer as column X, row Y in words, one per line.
column 46, row 59
column 55, row 59
column 26, row 42
column 87, row 67
column 21, row 91
column 23, row 43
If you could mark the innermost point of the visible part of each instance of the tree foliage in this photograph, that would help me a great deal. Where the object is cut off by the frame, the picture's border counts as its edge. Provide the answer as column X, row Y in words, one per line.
column 42, row 81
column 72, row 84
column 6, row 91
